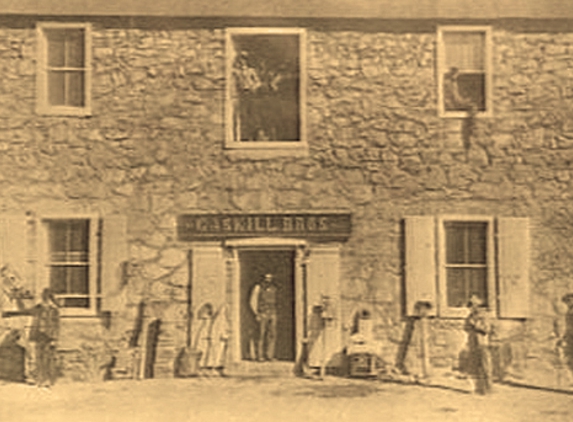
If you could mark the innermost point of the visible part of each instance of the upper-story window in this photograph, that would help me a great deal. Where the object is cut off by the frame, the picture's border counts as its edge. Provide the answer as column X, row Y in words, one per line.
column 265, row 104
column 464, row 71
column 64, row 69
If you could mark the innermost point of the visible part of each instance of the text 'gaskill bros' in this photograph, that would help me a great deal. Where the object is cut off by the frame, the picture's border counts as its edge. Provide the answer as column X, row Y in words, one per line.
column 330, row 225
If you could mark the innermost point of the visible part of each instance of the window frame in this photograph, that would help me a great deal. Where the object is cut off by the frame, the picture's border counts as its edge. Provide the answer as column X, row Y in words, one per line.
column 256, row 147
column 441, row 69
column 452, row 312
column 93, row 259
column 43, row 106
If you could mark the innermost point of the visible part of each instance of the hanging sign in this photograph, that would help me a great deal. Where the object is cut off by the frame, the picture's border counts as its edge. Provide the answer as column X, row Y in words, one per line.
column 319, row 226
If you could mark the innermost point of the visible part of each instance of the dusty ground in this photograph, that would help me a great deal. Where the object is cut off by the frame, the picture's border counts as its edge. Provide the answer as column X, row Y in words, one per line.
column 274, row 399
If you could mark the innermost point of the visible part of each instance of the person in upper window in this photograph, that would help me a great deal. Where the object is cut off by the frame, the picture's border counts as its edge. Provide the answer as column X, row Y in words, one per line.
column 453, row 100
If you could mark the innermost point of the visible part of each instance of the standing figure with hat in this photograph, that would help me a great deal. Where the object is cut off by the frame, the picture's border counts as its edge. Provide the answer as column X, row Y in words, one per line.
column 264, row 305
column 565, row 342
column 478, row 327
column 44, row 333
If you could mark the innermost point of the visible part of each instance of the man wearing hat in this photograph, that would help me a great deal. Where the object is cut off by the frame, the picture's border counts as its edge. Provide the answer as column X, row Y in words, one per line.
column 44, row 332
column 478, row 328
column 566, row 341
column 264, row 305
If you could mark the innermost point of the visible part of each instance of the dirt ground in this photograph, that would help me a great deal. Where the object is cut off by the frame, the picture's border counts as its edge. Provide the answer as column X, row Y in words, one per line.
column 275, row 399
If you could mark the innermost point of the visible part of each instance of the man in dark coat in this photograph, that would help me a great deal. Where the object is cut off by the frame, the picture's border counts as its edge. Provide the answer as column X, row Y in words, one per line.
column 566, row 340
column 479, row 329
column 263, row 303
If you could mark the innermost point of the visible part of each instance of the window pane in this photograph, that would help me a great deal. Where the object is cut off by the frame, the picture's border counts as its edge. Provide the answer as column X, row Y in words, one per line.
column 464, row 282
column 56, row 88
column 76, row 302
column 56, row 48
column 465, row 242
column 79, row 230
column 472, row 87
column 75, row 85
column 75, row 48
column 57, row 235
column 465, row 50
column 79, row 280
column 455, row 244
column 58, row 279
column 477, row 233
column 69, row 240
column 69, row 280
column 478, row 283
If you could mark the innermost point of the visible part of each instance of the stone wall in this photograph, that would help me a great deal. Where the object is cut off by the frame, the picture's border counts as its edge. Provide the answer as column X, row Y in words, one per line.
column 153, row 149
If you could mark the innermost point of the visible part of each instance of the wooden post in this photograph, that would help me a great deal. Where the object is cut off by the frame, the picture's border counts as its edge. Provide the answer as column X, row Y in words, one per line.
column 424, row 346
column 423, row 309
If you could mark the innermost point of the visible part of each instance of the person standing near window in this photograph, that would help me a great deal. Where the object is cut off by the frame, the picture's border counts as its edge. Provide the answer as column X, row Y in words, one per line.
column 44, row 333
column 479, row 329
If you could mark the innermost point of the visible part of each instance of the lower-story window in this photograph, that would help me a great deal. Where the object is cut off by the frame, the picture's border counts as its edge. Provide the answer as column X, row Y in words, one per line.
column 71, row 261
column 449, row 259
column 466, row 265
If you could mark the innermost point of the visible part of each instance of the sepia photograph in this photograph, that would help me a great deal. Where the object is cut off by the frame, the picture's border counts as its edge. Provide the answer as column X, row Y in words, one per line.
column 286, row 210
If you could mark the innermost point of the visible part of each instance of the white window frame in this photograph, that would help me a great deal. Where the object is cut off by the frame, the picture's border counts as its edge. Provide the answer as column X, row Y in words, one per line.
column 441, row 69
column 43, row 106
column 444, row 309
column 44, row 261
column 254, row 147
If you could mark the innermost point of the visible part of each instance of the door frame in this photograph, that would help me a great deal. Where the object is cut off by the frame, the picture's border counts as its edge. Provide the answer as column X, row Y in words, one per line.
column 300, row 247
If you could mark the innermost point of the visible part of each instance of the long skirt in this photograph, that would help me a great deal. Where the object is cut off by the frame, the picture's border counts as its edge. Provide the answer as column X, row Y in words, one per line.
column 46, row 367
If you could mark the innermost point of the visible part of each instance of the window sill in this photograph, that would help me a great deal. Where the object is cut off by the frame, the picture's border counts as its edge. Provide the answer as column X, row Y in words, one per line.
column 77, row 313
column 464, row 114
column 262, row 153
column 64, row 111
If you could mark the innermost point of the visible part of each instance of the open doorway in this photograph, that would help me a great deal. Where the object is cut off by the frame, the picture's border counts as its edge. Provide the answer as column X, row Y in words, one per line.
column 254, row 265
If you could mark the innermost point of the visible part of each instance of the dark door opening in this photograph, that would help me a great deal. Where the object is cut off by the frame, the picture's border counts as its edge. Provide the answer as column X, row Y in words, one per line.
column 254, row 265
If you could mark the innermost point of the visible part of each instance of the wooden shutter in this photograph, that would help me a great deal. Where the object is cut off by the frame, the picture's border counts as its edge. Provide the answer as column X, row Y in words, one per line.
column 208, row 276
column 14, row 252
column 323, row 279
column 114, row 255
column 420, row 268
column 513, row 263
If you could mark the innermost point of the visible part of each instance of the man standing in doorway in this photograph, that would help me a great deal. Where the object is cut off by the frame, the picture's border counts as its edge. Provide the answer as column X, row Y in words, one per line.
column 264, row 305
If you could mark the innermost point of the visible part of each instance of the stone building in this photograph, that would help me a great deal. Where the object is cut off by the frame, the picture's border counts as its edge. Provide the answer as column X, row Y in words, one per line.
column 156, row 157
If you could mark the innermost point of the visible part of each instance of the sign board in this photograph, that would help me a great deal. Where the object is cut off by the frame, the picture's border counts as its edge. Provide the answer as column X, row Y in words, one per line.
column 317, row 226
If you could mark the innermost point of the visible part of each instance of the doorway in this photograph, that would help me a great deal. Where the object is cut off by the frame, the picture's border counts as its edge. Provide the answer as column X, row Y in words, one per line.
column 254, row 265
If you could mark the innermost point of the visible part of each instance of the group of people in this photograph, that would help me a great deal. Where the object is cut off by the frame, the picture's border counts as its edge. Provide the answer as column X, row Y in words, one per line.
column 43, row 334
column 479, row 330
column 265, row 101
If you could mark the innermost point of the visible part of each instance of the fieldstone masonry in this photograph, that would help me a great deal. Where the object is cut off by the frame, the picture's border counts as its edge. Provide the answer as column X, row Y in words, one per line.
column 153, row 149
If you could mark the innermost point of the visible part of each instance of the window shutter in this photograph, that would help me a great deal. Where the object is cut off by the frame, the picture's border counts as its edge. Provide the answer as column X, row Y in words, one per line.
column 420, row 271
column 513, row 262
column 208, row 276
column 114, row 254
column 14, row 252
column 323, row 279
